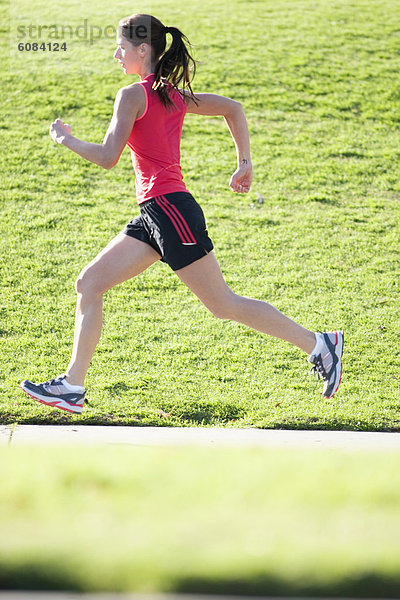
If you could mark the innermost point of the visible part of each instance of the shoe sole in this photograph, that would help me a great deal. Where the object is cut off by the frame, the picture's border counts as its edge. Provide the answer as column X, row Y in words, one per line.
column 61, row 404
column 339, row 353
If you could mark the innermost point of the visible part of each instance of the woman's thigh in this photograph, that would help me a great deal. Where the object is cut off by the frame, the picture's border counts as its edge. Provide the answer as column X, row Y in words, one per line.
column 204, row 278
column 123, row 258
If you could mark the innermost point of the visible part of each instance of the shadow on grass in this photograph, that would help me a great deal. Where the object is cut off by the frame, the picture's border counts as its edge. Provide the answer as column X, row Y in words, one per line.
column 61, row 419
column 345, row 424
column 209, row 413
column 323, row 199
column 31, row 575
column 186, row 414
column 193, row 415
column 364, row 585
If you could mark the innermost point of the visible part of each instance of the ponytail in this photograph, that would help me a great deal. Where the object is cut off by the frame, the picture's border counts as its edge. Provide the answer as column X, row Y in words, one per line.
column 172, row 66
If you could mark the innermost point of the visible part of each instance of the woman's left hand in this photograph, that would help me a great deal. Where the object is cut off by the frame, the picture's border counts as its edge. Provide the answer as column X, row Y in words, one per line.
column 58, row 131
column 241, row 179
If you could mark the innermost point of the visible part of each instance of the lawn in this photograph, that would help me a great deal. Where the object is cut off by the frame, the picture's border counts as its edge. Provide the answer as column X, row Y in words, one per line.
column 228, row 521
column 317, row 236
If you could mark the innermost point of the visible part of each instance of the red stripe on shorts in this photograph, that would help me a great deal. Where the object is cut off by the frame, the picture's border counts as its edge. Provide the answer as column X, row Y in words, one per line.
column 174, row 222
column 166, row 207
column 182, row 221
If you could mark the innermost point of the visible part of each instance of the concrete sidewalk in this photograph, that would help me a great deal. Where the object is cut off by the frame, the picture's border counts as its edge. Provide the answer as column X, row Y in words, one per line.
column 196, row 436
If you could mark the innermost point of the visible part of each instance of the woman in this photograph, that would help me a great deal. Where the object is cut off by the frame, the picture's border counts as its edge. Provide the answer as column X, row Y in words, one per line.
column 148, row 117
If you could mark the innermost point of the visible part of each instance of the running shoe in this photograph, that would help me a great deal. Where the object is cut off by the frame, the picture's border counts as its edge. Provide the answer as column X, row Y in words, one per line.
column 327, row 360
column 57, row 393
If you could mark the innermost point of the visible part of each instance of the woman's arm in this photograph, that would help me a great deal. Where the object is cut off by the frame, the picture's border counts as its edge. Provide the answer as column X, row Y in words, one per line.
column 232, row 111
column 128, row 104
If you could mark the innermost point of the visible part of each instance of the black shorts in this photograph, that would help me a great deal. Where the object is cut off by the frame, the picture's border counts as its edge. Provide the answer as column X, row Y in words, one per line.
column 174, row 225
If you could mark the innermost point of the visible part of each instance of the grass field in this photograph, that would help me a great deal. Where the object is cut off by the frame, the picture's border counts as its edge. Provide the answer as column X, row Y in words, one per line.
column 318, row 83
column 229, row 521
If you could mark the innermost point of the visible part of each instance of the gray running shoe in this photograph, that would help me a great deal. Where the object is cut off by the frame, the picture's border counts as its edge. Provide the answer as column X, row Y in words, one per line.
column 328, row 362
column 54, row 393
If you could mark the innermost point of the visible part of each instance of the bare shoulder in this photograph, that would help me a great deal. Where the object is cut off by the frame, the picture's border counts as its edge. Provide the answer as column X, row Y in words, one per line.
column 187, row 96
column 131, row 99
column 134, row 91
column 209, row 104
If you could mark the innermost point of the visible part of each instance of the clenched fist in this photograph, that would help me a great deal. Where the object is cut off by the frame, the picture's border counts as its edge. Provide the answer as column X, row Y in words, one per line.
column 241, row 179
column 58, row 131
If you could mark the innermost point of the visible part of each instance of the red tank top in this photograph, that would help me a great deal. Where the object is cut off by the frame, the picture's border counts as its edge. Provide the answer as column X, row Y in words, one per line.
column 155, row 145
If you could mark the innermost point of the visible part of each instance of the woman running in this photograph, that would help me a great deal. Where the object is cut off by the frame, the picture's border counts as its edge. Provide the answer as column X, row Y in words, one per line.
column 148, row 117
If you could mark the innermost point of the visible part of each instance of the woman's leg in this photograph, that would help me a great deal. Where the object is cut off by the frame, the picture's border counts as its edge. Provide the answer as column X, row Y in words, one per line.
column 205, row 280
column 123, row 258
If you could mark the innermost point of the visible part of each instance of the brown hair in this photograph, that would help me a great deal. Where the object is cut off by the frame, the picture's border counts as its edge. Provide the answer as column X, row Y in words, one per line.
column 171, row 65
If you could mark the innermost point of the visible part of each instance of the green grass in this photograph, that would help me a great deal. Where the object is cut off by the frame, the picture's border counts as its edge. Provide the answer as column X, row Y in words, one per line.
column 317, row 82
column 229, row 521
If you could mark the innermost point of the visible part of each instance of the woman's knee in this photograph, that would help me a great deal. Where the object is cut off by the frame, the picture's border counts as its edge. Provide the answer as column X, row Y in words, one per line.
column 87, row 284
column 225, row 307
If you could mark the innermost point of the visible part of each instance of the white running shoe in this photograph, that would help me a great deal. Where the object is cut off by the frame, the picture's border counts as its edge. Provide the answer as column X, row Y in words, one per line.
column 55, row 393
column 327, row 360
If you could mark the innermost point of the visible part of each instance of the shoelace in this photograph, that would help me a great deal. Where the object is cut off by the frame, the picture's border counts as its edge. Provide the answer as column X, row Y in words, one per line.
column 318, row 369
column 57, row 380
column 54, row 381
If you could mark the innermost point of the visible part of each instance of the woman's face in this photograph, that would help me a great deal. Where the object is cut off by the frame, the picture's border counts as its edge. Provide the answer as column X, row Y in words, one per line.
column 128, row 55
